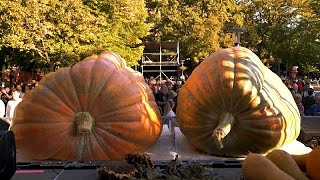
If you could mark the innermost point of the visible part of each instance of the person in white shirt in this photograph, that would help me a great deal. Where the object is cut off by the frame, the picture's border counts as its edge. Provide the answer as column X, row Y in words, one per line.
column 12, row 104
column 2, row 108
column 170, row 104
column 306, row 89
column 182, row 78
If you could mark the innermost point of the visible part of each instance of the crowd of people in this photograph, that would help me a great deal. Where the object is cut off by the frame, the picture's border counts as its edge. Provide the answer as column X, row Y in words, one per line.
column 302, row 90
column 12, row 95
column 307, row 100
column 166, row 95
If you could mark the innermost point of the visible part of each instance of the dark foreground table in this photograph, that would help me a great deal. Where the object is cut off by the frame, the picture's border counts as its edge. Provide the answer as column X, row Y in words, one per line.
column 229, row 170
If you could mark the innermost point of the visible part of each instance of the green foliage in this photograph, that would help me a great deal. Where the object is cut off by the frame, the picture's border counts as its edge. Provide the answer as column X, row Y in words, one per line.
column 310, row 68
column 282, row 30
column 200, row 26
column 63, row 32
column 53, row 30
column 50, row 33
column 126, row 21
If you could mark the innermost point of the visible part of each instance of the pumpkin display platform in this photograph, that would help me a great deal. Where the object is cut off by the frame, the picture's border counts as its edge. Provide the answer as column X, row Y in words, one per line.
column 162, row 152
column 310, row 127
column 172, row 142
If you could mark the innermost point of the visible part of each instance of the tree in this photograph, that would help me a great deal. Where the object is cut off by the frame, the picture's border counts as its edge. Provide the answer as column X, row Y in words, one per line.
column 200, row 26
column 60, row 33
column 56, row 31
column 298, row 43
column 277, row 29
column 127, row 26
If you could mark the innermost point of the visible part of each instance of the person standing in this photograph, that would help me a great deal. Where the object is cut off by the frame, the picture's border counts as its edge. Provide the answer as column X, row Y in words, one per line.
column 169, row 108
column 315, row 109
column 6, row 95
column 2, row 109
column 161, row 97
column 298, row 99
column 300, row 86
column 11, row 77
column 13, row 103
column 19, row 90
column 308, row 101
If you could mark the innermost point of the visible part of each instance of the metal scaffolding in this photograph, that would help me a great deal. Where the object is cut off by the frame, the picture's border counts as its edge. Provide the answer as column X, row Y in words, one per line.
column 161, row 59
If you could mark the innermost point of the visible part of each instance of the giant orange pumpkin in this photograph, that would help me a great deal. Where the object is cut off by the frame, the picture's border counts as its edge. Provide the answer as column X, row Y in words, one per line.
column 99, row 109
column 234, row 105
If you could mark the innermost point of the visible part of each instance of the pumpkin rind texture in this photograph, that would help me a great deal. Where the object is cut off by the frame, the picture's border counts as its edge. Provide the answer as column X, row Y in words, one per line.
column 257, row 166
column 124, row 117
column 313, row 164
column 233, row 96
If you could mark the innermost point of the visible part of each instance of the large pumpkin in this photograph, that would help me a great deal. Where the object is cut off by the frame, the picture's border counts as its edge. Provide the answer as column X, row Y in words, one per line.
column 233, row 105
column 99, row 109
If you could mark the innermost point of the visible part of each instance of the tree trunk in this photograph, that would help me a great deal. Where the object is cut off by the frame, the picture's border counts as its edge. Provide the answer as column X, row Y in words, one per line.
column 51, row 66
column 50, row 63
column 279, row 69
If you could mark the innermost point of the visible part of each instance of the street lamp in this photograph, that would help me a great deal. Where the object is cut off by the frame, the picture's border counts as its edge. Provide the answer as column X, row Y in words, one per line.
column 237, row 32
column 183, row 68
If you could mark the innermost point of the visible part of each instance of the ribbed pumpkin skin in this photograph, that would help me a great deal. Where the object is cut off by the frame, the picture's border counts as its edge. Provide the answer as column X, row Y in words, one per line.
column 235, row 81
column 126, row 117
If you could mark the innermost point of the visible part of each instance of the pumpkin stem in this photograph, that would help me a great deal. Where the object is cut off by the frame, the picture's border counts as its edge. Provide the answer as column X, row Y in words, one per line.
column 84, row 122
column 223, row 129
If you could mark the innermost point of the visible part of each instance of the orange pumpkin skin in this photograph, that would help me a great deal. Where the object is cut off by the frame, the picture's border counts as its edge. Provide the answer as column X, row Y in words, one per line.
column 313, row 164
column 116, row 98
column 259, row 112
